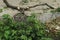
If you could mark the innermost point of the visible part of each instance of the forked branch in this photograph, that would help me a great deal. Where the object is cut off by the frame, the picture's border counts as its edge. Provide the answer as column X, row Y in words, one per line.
column 25, row 9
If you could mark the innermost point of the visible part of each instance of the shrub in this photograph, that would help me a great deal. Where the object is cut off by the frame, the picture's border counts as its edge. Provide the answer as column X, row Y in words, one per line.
column 32, row 29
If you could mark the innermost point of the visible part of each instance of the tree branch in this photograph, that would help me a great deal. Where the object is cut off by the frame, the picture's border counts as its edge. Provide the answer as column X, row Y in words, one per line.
column 42, row 5
column 13, row 7
column 8, row 5
column 25, row 9
column 22, row 10
column 49, row 6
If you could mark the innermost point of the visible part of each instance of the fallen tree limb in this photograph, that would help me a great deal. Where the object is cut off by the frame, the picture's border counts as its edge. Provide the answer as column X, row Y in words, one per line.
column 25, row 9
column 22, row 10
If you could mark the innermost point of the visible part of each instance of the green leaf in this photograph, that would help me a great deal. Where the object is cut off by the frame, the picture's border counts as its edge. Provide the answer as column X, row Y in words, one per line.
column 6, row 34
column 30, row 38
column 14, row 32
column 23, row 37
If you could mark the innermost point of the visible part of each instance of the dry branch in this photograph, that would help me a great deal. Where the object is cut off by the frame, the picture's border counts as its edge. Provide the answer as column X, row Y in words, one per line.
column 42, row 5
column 22, row 10
column 25, row 9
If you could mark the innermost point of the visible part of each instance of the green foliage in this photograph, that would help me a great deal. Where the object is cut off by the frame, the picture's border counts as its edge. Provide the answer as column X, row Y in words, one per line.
column 46, row 38
column 5, row 7
column 56, row 10
column 25, row 1
column 32, row 29
column 1, row 10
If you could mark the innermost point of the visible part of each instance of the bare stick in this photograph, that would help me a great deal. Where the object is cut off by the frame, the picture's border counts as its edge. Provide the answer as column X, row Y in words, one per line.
column 49, row 6
column 42, row 5
column 25, row 9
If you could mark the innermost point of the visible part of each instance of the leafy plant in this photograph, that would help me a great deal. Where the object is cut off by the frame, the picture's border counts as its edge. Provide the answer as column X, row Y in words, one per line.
column 32, row 29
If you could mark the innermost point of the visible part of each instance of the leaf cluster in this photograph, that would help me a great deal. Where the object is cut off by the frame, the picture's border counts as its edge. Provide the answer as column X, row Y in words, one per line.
column 32, row 29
